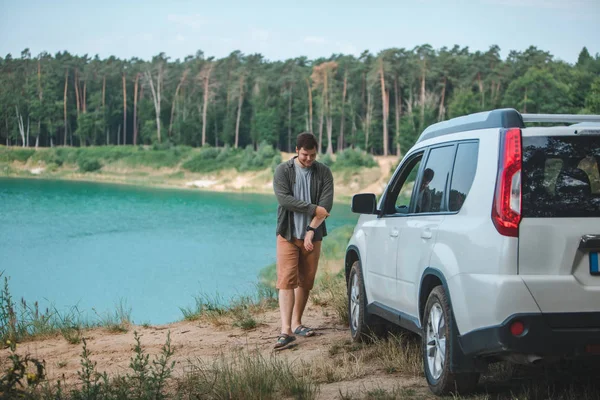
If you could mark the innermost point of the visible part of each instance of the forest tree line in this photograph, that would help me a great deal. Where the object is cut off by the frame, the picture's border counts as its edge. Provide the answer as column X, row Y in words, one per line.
column 377, row 102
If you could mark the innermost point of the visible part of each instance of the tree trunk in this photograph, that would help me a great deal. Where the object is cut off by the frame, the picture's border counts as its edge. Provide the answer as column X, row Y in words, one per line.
column 423, row 95
column 124, row 108
column 216, row 134
column 65, row 103
column 409, row 109
column 41, row 96
column 77, row 92
column 290, row 119
column 239, row 112
column 368, row 119
column 21, row 127
column 497, row 93
column 28, row 131
column 442, row 110
column 525, row 102
column 135, row 100
column 177, row 89
column 322, row 113
column 156, row 97
column 398, row 110
column 353, row 130
column 205, row 105
column 103, row 93
column 329, row 135
column 340, row 146
column 84, row 96
column 119, row 134
column 384, row 106
column 310, row 107
column 480, row 84
column 327, row 110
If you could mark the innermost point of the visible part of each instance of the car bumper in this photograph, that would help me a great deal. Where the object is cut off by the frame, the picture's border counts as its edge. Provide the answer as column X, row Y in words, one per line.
column 552, row 334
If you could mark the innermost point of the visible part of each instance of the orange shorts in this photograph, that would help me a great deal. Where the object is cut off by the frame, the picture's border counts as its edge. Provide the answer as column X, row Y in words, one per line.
column 296, row 267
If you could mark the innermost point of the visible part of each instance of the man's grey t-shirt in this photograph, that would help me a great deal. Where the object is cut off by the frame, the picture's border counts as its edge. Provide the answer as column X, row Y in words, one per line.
column 302, row 192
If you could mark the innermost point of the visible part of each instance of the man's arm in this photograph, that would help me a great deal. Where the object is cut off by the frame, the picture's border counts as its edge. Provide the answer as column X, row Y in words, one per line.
column 285, row 196
column 326, row 199
column 325, row 202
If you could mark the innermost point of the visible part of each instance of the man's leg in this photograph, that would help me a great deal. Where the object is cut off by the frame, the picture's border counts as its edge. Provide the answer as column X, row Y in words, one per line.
column 301, row 298
column 287, row 279
column 286, row 305
column 307, row 270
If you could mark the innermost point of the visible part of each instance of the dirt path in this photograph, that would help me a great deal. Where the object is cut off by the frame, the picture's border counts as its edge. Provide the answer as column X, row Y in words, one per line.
column 197, row 342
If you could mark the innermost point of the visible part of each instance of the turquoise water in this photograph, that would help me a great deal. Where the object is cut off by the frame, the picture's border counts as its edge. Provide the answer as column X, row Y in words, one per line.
column 94, row 246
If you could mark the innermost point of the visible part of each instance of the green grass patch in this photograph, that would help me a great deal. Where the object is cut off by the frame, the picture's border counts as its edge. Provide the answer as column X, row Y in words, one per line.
column 248, row 375
column 240, row 311
column 210, row 159
column 20, row 321
column 15, row 154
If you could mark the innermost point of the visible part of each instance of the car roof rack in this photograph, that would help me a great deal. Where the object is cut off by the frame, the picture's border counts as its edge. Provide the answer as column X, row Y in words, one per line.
column 500, row 118
column 560, row 118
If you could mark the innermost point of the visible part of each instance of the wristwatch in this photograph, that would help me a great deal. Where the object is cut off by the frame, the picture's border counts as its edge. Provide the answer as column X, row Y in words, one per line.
column 310, row 228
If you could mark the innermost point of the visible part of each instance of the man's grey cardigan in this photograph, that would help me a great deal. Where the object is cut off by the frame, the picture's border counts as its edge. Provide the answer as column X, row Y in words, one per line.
column 321, row 194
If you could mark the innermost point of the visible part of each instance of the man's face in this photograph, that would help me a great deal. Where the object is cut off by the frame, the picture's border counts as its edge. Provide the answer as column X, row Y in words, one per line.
column 306, row 157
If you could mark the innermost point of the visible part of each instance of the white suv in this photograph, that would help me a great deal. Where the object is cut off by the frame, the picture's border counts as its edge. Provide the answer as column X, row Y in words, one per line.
column 485, row 242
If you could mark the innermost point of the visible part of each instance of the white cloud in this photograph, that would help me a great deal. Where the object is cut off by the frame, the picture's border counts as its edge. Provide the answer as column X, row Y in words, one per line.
column 314, row 40
column 189, row 21
column 180, row 38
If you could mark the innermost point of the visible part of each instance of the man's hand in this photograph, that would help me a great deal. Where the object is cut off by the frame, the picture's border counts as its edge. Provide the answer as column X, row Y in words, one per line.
column 308, row 238
column 321, row 212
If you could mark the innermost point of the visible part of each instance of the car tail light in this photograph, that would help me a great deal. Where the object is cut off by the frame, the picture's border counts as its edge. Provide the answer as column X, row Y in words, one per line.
column 506, row 210
column 517, row 328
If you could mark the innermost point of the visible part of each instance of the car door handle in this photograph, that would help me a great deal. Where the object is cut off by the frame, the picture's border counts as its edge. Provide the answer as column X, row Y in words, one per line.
column 394, row 233
column 426, row 234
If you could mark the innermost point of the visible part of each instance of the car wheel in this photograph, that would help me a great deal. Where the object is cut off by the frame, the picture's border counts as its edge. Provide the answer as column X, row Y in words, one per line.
column 438, row 339
column 363, row 326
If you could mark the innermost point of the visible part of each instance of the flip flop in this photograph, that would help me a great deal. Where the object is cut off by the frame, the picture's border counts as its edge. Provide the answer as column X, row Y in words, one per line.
column 283, row 341
column 304, row 331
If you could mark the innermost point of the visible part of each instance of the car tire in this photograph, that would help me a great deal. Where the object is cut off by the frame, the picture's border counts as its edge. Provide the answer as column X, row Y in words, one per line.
column 364, row 327
column 438, row 341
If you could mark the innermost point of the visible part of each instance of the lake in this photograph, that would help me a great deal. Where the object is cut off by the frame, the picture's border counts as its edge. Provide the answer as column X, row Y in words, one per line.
column 95, row 246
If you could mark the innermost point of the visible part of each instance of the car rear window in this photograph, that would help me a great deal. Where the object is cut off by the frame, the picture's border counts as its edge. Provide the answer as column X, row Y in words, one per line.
column 561, row 176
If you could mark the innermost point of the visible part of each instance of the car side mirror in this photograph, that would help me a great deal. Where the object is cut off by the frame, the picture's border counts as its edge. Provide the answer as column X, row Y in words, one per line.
column 364, row 203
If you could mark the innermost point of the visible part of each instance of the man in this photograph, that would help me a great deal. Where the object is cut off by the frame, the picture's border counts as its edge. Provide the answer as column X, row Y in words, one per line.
column 424, row 195
column 304, row 190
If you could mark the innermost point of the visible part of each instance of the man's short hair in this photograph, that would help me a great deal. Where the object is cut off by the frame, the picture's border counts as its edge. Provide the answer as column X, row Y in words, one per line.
column 428, row 175
column 306, row 141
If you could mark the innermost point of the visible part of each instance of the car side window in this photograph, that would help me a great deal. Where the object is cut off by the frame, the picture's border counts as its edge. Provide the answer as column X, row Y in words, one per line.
column 406, row 189
column 397, row 198
column 463, row 174
column 434, row 179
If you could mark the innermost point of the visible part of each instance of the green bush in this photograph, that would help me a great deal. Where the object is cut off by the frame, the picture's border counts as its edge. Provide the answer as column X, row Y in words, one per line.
column 265, row 157
column 208, row 159
column 47, row 156
column 353, row 159
column 10, row 155
column 327, row 160
column 87, row 165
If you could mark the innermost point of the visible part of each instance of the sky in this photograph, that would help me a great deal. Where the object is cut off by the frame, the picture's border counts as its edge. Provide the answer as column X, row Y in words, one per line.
column 280, row 30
